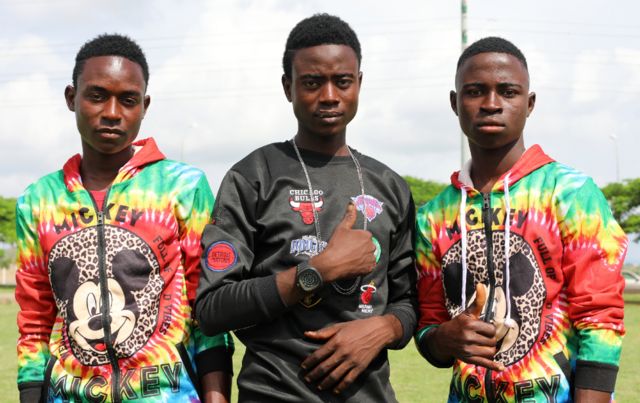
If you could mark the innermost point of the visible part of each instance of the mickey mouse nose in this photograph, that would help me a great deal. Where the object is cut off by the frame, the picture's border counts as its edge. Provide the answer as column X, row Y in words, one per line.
column 95, row 323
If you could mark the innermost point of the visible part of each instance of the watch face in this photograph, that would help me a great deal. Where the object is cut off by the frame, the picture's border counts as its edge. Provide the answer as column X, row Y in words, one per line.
column 309, row 280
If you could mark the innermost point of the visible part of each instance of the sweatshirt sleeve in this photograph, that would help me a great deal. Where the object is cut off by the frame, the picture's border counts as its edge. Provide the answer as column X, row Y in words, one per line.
column 431, row 303
column 401, row 274
column 37, row 306
column 229, row 297
column 213, row 352
column 594, row 251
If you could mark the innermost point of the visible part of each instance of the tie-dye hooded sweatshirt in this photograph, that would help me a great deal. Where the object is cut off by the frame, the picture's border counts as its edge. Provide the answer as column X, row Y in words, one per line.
column 556, row 300
column 105, row 292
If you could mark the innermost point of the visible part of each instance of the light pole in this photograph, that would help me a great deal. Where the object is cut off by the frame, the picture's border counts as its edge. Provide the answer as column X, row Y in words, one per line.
column 464, row 147
column 614, row 138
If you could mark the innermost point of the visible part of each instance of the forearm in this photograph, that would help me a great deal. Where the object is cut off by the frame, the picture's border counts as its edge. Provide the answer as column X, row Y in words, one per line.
column 216, row 387
column 592, row 396
column 405, row 314
column 237, row 305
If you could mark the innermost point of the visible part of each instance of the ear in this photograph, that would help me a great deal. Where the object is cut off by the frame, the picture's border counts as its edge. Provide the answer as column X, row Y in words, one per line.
column 131, row 270
column 360, row 78
column 286, row 86
column 69, row 97
column 532, row 103
column 453, row 100
column 65, row 277
column 147, row 102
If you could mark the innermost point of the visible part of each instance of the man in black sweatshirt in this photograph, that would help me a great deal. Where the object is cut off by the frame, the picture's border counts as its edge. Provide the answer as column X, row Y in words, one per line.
column 315, row 293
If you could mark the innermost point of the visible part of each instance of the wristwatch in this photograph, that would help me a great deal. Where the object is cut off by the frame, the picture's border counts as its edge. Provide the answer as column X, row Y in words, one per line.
column 308, row 278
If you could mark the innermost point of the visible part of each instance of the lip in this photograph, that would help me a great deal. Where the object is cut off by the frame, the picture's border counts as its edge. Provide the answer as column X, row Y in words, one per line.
column 490, row 127
column 329, row 117
column 110, row 133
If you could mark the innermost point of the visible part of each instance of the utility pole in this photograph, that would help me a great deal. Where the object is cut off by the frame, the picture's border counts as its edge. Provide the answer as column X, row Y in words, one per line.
column 464, row 146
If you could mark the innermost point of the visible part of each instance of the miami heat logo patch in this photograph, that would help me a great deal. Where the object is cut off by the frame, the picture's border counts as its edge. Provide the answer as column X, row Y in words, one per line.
column 366, row 295
column 368, row 205
column 300, row 202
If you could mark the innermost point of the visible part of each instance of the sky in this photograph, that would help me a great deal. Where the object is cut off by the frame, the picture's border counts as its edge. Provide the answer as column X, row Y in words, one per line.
column 216, row 95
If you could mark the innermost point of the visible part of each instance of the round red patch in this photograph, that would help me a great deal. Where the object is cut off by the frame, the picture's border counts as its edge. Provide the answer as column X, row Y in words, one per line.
column 221, row 256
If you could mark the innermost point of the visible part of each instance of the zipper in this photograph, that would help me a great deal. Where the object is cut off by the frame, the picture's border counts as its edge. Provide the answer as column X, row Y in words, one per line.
column 105, row 306
column 488, row 317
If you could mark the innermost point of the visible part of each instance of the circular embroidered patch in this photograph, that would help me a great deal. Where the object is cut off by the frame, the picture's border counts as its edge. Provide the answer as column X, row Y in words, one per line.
column 221, row 256
column 378, row 251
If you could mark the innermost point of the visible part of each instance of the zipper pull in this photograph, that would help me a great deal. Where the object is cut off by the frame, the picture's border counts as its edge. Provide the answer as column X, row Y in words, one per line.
column 100, row 218
column 486, row 200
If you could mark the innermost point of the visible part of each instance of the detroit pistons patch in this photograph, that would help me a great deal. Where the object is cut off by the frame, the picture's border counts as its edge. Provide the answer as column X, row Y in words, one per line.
column 221, row 256
column 368, row 205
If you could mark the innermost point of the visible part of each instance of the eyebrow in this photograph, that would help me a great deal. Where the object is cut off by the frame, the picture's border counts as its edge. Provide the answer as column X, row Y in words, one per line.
column 482, row 84
column 102, row 89
column 319, row 76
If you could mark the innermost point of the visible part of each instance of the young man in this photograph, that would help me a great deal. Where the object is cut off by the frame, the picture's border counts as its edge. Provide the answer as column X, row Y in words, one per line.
column 109, row 248
column 317, row 295
column 519, row 258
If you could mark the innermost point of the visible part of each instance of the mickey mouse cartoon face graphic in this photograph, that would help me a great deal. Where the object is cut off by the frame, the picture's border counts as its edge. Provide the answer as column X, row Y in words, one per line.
column 518, row 327
column 133, row 285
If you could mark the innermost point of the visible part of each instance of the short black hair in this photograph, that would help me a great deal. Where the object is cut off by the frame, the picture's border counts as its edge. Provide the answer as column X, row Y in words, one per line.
column 492, row 44
column 319, row 29
column 110, row 45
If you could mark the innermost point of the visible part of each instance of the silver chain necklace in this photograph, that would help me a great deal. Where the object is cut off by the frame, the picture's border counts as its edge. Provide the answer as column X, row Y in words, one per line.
column 341, row 290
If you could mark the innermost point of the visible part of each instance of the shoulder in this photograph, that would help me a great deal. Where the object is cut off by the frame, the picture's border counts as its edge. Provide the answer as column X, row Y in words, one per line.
column 50, row 183
column 435, row 209
column 175, row 175
column 384, row 172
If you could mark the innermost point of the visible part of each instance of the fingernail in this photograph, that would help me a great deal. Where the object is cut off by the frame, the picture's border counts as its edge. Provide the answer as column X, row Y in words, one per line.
column 307, row 380
column 303, row 366
column 319, row 387
column 336, row 391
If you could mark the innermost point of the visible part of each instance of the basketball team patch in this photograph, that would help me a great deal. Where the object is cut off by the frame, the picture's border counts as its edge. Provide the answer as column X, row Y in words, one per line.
column 221, row 256
column 368, row 205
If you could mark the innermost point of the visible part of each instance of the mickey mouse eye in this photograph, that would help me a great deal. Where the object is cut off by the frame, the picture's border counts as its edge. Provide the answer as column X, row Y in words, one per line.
column 110, row 300
column 92, row 305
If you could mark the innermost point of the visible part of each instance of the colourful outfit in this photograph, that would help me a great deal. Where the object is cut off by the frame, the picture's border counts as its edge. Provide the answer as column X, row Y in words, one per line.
column 137, row 254
column 556, row 301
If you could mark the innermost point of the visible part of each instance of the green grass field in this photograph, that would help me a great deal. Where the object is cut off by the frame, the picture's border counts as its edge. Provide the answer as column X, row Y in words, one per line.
column 413, row 379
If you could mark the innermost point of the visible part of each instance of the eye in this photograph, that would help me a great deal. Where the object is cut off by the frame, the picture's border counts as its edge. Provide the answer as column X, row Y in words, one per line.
column 92, row 305
column 344, row 83
column 509, row 93
column 129, row 101
column 473, row 92
column 95, row 96
column 310, row 84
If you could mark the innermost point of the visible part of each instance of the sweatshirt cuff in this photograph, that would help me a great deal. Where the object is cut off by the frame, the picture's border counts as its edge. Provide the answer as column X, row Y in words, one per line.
column 408, row 323
column 30, row 391
column 596, row 376
column 214, row 359
column 272, row 302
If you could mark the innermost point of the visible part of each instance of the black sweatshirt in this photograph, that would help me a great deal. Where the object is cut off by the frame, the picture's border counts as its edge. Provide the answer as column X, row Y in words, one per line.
column 263, row 224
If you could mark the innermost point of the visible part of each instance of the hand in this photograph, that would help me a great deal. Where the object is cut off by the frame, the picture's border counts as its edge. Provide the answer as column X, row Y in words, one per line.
column 349, row 253
column 466, row 337
column 349, row 349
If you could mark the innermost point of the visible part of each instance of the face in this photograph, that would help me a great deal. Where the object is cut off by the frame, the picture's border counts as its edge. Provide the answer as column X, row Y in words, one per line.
column 324, row 88
column 492, row 99
column 109, row 103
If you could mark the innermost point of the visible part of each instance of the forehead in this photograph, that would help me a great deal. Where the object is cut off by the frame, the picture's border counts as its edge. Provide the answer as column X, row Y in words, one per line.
column 492, row 67
column 107, row 71
column 325, row 59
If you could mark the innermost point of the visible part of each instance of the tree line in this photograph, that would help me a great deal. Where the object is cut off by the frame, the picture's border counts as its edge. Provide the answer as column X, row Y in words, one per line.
column 624, row 199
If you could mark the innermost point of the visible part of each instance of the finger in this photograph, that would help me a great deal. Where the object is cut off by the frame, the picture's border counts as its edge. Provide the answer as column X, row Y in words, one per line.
column 475, row 309
column 349, row 218
column 317, row 356
column 335, row 376
column 322, row 334
column 347, row 380
column 322, row 371
column 484, row 362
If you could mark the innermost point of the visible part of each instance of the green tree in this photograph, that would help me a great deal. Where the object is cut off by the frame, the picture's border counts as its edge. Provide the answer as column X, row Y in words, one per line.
column 624, row 198
column 7, row 220
column 423, row 190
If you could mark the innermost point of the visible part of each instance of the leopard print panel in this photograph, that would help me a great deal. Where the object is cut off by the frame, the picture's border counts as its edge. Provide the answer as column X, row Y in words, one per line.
column 134, row 283
column 526, row 288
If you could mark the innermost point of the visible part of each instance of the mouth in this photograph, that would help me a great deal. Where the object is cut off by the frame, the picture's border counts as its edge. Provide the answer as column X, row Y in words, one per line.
column 329, row 117
column 490, row 126
column 110, row 133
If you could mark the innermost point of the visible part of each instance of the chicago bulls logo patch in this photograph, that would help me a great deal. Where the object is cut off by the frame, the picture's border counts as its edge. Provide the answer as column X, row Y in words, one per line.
column 221, row 256
column 302, row 203
column 368, row 205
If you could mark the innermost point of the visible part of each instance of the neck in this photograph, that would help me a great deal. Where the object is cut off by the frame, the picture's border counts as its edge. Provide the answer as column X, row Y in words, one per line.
column 99, row 170
column 334, row 145
column 488, row 165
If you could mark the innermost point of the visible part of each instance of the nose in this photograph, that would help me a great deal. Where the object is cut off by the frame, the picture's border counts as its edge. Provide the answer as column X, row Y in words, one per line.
column 491, row 103
column 329, row 94
column 111, row 110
